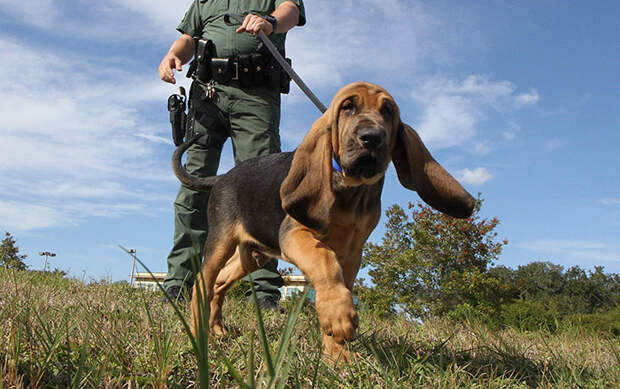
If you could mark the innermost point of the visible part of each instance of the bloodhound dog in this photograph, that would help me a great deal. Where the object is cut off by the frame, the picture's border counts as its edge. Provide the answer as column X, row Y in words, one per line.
column 316, row 206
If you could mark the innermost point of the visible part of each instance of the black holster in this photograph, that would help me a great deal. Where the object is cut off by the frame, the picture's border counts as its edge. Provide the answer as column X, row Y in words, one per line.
column 200, row 67
column 178, row 117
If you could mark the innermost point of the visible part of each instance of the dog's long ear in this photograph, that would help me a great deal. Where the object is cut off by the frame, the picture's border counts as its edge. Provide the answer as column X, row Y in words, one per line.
column 417, row 170
column 306, row 192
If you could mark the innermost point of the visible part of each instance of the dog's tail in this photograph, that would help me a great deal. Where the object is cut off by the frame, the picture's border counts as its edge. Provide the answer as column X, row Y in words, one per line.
column 196, row 183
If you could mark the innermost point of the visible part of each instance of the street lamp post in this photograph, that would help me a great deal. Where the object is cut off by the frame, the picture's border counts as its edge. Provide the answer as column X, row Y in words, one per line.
column 133, row 266
column 46, row 254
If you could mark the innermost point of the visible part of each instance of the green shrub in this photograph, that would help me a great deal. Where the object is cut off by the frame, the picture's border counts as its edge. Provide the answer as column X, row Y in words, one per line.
column 608, row 322
column 531, row 315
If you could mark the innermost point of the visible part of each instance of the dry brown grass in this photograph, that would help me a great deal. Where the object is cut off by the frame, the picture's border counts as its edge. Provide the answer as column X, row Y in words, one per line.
column 62, row 333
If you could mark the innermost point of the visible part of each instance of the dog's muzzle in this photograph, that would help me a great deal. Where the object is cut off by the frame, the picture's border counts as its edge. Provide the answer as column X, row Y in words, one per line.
column 371, row 138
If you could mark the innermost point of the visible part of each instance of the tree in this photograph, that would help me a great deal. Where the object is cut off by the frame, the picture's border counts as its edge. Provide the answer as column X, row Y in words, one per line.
column 430, row 264
column 9, row 254
column 540, row 279
column 573, row 290
column 546, row 294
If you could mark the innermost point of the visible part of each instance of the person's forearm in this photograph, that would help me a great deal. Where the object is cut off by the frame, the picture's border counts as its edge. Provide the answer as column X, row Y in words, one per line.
column 287, row 14
column 183, row 48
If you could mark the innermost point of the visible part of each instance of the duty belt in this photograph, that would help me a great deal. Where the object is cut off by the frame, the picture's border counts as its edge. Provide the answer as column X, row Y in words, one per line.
column 232, row 19
column 248, row 69
column 235, row 64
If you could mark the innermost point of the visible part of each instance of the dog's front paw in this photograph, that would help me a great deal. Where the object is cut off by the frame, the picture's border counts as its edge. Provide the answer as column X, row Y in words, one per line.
column 334, row 351
column 218, row 329
column 337, row 315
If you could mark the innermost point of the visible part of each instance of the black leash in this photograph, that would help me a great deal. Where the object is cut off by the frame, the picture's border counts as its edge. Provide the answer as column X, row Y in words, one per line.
column 232, row 20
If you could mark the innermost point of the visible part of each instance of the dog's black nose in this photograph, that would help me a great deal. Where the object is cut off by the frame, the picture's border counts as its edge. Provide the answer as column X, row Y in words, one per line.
column 371, row 138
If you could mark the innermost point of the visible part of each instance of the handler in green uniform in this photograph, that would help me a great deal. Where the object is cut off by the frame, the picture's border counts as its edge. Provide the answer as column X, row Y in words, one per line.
column 239, row 98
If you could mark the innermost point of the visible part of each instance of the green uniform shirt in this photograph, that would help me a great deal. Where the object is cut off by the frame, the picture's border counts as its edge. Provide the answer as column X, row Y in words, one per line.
column 227, row 41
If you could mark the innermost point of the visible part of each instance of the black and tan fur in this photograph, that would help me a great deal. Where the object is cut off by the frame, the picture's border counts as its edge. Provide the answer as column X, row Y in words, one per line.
column 295, row 206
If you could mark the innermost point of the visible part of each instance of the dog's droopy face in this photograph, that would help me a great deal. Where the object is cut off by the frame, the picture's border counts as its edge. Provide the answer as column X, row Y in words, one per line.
column 367, row 120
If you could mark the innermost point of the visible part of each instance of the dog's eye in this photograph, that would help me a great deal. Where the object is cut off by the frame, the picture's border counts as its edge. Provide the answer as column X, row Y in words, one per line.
column 348, row 106
column 387, row 110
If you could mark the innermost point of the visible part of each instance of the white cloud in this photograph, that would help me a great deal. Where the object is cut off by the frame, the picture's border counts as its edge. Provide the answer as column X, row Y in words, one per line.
column 341, row 44
column 25, row 216
column 452, row 109
column 156, row 138
column 448, row 121
column 72, row 130
column 610, row 201
column 582, row 250
column 51, row 212
column 477, row 176
column 161, row 13
column 81, row 126
column 334, row 46
column 553, row 144
column 528, row 98
column 478, row 86
column 509, row 135
column 40, row 13
column 114, row 19
column 482, row 147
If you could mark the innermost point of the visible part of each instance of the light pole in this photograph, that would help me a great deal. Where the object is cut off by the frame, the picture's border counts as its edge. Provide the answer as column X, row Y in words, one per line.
column 133, row 266
column 46, row 254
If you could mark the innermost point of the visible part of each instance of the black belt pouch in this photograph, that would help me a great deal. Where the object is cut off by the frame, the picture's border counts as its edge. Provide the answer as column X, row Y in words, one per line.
column 221, row 69
column 246, row 70
column 260, row 64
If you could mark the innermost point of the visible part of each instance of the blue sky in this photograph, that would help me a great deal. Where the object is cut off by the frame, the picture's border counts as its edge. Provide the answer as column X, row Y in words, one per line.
column 518, row 99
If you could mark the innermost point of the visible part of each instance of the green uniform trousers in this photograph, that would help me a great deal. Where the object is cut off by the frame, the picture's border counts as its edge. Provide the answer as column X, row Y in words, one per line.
column 251, row 118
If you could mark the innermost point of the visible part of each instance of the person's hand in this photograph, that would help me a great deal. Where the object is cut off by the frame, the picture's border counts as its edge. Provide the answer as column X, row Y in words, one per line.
column 253, row 24
column 170, row 61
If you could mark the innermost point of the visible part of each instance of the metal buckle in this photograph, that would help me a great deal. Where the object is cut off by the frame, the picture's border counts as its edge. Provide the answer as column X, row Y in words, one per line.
column 235, row 76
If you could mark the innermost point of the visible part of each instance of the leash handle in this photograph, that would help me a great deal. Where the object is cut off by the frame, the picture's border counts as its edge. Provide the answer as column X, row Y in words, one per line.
column 276, row 54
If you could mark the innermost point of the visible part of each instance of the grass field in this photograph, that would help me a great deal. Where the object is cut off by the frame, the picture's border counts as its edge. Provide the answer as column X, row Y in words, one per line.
column 57, row 332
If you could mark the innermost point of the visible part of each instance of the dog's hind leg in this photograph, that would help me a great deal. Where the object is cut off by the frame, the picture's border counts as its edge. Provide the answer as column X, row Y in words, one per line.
column 219, row 249
column 222, row 283
column 244, row 261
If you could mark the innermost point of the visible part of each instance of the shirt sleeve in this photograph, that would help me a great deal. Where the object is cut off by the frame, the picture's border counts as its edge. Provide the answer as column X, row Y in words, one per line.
column 302, row 10
column 188, row 24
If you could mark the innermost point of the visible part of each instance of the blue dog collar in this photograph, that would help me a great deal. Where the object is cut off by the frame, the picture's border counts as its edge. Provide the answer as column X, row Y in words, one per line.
column 336, row 166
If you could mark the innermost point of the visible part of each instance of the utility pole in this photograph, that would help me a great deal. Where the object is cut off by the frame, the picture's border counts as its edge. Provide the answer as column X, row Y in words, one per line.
column 46, row 254
column 133, row 266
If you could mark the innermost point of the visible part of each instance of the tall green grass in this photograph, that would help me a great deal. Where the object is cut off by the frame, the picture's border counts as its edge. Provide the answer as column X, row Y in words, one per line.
column 60, row 333
column 278, row 368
